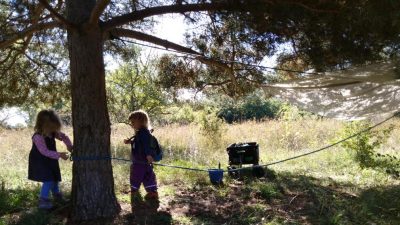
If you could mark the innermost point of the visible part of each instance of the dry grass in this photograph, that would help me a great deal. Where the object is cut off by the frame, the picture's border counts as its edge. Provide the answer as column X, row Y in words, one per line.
column 277, row 139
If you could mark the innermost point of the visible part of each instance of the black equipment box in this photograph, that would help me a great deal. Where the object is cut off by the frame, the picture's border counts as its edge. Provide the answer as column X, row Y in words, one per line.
column 243, row 153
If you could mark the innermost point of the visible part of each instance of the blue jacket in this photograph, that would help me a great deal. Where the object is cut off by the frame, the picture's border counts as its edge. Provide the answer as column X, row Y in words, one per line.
column 141, row 145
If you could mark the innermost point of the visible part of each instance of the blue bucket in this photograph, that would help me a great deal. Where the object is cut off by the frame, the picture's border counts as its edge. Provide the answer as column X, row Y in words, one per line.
column 216, row 175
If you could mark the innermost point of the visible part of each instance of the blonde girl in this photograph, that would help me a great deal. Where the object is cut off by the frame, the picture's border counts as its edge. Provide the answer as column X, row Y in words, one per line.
column 43, row 157
column 142, row 156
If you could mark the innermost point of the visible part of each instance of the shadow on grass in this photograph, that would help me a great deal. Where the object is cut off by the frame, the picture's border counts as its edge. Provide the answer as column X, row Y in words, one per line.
column 12, row 201
column 18, row 207
column 289, row 199
column 32, row 217
column 147, row 218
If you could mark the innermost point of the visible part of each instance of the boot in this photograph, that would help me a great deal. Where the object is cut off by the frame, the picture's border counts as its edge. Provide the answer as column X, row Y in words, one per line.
column 136, row 200
column 152, row 202
column 137, row 206
column 45, row 203
column 151, row 195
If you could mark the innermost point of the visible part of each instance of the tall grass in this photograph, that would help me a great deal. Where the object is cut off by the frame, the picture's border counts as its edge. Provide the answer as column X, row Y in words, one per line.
column 187, row 145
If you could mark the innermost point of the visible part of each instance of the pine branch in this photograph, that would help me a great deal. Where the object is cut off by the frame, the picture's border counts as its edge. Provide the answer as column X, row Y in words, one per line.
column 120, row 32
column 56, row 15
column 25, row 33
column 160, row 10
column 101, row 5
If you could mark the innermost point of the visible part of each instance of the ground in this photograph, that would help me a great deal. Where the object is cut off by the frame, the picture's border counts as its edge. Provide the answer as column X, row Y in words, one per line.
column 326, row 188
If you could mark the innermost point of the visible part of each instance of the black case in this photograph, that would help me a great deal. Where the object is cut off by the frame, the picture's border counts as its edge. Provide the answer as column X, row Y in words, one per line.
column 243, row 153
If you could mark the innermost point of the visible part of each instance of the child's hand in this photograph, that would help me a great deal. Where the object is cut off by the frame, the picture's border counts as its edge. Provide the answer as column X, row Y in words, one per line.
column 127, row 141
column 150, row 159
column 64, row 155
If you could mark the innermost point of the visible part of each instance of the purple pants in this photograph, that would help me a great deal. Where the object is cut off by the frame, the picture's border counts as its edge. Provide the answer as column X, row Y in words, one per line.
column 143, row 174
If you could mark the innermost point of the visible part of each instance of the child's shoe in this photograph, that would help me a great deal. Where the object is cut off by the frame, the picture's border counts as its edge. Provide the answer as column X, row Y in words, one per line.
column 137, row 206
column 152, row 202
column 151, row 196
column 136, row 200
column 45, row 203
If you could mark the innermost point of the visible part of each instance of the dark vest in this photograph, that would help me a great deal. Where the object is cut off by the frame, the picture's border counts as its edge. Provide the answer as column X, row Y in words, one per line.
column 42, row 168
column 137, row 147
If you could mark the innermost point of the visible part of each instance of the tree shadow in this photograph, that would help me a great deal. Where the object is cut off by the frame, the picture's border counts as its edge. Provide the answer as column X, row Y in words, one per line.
column 158, row 218
column 146, row 216
column 324, row 201
column 32, row 217
column 289, row 199
column 16, row 200
column 18, row 207
column 146, row 212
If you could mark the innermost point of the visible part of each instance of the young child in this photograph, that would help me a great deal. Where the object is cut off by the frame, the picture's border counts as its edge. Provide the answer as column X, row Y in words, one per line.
column 142, row 157
column 43, row 158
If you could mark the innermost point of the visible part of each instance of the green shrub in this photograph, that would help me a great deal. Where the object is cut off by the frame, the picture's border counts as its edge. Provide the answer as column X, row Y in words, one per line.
column 182, row 115
column 364, row 148
column 211, row 128
column 289, row 112
column 15, row 200
column 253, row 107
column 210, row 125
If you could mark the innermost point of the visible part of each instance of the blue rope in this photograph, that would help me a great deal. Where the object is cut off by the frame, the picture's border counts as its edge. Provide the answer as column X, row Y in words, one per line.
column 107, row 158
column 99, row 158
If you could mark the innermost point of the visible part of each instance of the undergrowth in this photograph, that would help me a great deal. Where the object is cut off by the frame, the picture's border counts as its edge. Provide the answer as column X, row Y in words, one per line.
column 365, row 148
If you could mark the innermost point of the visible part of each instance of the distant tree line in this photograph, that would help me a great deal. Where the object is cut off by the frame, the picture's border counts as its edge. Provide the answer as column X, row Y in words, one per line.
column 252, row 107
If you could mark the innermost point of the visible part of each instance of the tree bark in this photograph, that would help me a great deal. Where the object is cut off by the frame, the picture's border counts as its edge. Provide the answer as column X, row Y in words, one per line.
column 93, row 193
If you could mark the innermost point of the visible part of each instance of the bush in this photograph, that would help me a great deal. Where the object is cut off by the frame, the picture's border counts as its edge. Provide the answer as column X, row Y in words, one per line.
column 364, row 148
column 210, row 124
column 182, row 115
column 253, row 107
column 289, row 112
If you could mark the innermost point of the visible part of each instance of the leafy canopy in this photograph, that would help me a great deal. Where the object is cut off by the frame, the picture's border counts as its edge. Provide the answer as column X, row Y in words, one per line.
column 320, row 35
column 132, row 86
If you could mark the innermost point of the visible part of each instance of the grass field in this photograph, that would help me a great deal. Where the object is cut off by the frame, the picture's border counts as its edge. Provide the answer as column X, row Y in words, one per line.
column 325, row 188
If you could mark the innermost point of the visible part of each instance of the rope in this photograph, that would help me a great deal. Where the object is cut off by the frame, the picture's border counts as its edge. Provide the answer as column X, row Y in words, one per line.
column 94, row 158
column 159, row 164
column 107, row 158
column 181, row 167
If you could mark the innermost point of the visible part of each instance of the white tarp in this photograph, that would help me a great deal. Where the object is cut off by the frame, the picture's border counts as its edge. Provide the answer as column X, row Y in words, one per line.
column 352, row 94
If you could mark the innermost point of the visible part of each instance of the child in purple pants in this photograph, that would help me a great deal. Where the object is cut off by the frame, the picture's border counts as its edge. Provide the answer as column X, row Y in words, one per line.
column 142, row 157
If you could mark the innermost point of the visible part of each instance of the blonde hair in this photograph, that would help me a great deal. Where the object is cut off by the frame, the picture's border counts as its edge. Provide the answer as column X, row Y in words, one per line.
column 45, row 119
column 142, row 117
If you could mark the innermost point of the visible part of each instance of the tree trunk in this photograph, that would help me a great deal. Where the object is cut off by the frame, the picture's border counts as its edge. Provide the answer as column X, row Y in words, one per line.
column 92, row 184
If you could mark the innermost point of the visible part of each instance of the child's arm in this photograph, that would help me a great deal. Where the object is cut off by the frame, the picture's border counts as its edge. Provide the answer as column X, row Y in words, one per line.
column 64, row 138
column 145, row 140
column 128, row 141
column 40, row 143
